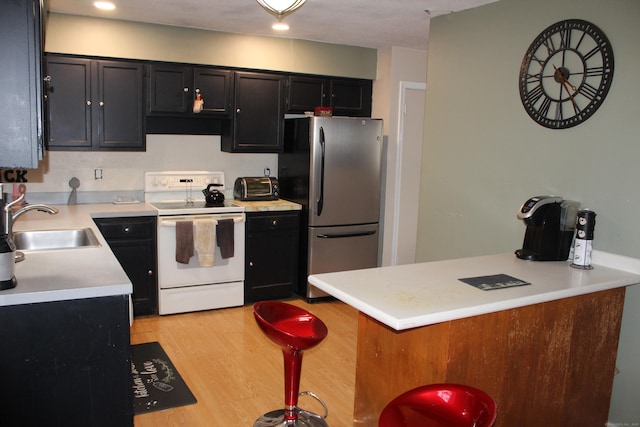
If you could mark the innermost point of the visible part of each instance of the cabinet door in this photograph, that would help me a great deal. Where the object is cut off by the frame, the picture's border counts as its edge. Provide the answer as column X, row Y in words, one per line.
column 21, row 124
column 214, row 87
column 133, row 242
column 258, row 117
column 119, row 94
column 305, row 93
column 69, row 102
column 137, row 258
column 271, row 258
column 351, row 97
column 70, row 360
column 169, row 88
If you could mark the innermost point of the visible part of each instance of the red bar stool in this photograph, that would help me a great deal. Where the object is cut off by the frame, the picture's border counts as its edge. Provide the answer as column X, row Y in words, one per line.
column 440, row 405
column 294, row 330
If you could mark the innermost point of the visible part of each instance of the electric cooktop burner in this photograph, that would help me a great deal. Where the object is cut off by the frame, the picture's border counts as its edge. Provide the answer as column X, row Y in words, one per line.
column 181, row 192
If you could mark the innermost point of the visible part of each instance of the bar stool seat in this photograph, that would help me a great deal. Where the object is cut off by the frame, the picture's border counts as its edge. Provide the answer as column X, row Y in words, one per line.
column 294, row 330
column 440, row 405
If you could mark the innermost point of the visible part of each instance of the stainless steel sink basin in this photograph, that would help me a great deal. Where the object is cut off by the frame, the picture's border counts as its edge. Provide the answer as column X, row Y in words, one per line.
column 46, row 240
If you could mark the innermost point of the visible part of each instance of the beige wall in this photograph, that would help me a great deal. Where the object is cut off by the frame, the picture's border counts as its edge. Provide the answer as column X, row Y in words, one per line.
column 105, row 37
column 483, row 156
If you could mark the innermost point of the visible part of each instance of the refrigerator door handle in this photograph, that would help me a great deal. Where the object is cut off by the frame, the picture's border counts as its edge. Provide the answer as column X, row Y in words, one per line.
column 341, row 235
column 321, row 197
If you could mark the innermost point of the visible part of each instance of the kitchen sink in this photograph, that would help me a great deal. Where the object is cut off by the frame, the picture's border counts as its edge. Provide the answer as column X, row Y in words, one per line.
column 46, row 240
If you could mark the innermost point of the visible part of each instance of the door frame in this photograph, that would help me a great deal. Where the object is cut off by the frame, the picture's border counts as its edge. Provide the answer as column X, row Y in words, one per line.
column 404, row 87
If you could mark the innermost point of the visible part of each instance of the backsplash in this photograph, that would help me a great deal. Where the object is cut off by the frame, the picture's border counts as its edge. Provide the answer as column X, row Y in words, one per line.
column 123, row 172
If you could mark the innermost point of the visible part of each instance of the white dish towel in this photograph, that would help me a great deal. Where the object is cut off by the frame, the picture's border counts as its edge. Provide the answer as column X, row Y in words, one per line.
column 204, row 238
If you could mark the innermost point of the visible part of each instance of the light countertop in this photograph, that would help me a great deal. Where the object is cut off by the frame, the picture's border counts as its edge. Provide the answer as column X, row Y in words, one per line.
column 269, row 205
column 414, row 295
column 68, row 274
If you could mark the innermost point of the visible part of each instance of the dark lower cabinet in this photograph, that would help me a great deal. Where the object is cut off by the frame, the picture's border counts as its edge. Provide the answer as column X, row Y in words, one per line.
column 66, row 363
column 271, row 254
column 133, row 242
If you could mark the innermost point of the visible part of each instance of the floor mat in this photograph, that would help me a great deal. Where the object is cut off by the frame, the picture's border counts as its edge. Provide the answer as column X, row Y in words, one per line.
column 156, row 383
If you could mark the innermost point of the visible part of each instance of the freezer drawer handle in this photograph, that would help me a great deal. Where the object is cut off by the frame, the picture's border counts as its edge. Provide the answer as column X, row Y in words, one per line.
column 341, row 235
column 321, row 199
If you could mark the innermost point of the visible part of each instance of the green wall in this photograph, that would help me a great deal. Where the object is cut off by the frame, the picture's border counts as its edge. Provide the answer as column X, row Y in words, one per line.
column 122, row 39
column 483, row 156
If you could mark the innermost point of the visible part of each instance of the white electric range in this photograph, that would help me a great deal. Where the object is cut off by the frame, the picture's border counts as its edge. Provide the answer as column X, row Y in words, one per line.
column 178, row 196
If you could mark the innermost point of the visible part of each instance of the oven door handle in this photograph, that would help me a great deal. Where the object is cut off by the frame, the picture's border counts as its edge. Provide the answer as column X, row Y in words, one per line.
column 172, row 222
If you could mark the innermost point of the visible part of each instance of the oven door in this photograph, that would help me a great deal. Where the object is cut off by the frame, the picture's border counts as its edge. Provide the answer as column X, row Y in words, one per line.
column 172, row 274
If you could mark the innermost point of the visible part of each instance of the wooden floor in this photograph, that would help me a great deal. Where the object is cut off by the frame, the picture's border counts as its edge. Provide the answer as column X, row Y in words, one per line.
column 236, row 373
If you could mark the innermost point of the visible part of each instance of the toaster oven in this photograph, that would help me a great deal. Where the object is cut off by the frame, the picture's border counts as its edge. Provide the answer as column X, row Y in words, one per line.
column 256, row 188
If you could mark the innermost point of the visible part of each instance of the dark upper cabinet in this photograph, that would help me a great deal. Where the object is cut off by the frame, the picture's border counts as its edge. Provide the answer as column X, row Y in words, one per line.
column 173, row 88
column 258, row 114
column 348, row 97
column 351, row 97
column 21, row 84
column 95, row 104
column 306, row 93
column 68, row 102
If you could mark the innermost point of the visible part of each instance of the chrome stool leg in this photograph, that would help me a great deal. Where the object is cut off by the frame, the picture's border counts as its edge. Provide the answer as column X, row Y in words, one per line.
column 304, row 418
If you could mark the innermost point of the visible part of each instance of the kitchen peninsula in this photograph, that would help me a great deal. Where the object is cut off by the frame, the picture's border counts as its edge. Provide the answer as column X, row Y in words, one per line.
column 545, row 351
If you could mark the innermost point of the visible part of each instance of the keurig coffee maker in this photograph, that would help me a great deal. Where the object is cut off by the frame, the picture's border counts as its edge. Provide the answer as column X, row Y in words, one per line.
column 551, row 224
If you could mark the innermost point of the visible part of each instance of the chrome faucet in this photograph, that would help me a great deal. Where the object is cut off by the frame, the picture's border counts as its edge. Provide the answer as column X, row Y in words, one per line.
column 9, row 219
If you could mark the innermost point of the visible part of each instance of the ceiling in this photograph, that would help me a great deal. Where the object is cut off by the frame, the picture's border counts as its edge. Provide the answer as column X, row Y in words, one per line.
column 365, row 23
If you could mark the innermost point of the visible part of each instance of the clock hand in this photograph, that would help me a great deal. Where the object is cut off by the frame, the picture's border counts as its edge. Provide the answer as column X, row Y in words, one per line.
column 566, row 84
column 564, row 80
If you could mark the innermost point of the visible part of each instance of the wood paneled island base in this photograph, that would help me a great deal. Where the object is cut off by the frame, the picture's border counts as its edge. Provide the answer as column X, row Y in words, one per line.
column 547, row 364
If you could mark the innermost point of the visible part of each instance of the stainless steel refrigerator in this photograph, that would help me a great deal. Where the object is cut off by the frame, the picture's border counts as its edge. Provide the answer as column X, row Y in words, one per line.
column 332, row 167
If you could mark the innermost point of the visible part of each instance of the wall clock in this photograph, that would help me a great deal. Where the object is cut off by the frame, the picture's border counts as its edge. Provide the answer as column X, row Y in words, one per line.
column 566, row 74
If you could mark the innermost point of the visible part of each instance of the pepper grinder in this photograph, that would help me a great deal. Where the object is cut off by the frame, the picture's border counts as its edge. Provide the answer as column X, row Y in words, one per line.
column 583, row 244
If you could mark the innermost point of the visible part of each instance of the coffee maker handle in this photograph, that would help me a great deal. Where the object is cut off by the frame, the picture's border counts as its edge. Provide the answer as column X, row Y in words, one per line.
column 529, row 207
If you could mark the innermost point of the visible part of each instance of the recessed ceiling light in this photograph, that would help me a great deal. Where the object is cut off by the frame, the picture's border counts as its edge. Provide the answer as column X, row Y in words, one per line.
column 104, row 5
column 280, row 26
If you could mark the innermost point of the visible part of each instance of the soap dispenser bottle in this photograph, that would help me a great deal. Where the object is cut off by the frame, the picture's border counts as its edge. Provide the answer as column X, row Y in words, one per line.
column 7, row 251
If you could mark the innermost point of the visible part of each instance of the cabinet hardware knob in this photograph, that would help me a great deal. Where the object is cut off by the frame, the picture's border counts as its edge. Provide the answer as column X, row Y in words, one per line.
column 250, row 263
column 150, row 273
column 47, row 79
column 89, row 102
column 126, row 229
column 102, row 103
column 238, row 110
column 186, row 89
column 274, row 222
